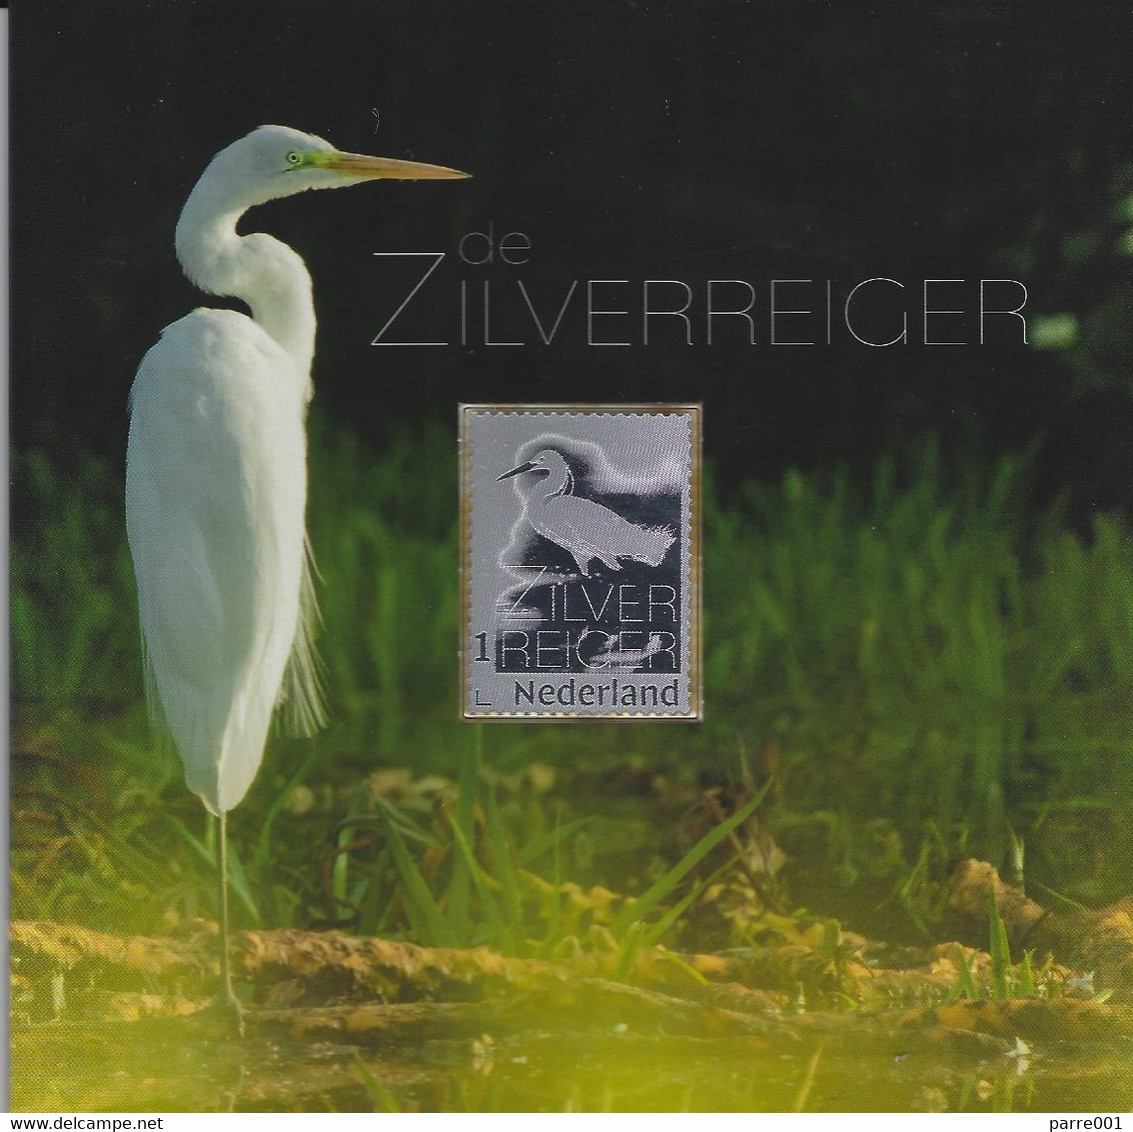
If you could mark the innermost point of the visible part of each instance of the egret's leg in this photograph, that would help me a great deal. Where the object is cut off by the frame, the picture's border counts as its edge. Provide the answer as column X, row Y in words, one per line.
column 226, row 999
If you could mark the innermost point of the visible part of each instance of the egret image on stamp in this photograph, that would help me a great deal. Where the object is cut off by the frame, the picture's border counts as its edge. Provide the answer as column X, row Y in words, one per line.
column 581, row 569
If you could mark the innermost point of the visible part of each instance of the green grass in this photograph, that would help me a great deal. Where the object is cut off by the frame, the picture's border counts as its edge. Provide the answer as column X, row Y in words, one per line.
column 1006, row 981
column 926, row 651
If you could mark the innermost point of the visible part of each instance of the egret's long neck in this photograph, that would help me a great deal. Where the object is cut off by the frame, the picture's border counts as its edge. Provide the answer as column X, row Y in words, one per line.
column 565, row 483
column 259, row 269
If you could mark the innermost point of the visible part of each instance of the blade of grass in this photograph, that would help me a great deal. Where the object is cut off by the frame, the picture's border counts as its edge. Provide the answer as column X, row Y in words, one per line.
column 419, row 900
column 380, row 1097
column 1025, row 983
column 658, row 930
column 1000, row 953
column 464, row 822
column 965, row 985
column 499, row 926
column 630, row 945
column 237, row 878
column 554, row 909
column 261, row 855
column 505, row 866
column 548, row 840
column 680, row 964
column 662, row 887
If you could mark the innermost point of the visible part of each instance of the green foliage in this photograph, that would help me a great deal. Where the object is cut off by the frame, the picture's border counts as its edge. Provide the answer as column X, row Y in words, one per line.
column 499, row 916
column 942, row 648
column 926, row 649
column 1006, row 981
column 664, row 886
column 73, row 623
column 1000, row 952
column 384, row 535
column 104, row 851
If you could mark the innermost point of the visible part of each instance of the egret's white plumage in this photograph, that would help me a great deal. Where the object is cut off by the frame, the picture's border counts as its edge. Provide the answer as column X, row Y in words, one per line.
column 215, row 500
column 587, row 530
column 216, row 468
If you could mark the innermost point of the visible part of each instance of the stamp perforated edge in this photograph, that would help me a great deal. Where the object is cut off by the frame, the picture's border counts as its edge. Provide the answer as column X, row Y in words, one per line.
column 694, row 411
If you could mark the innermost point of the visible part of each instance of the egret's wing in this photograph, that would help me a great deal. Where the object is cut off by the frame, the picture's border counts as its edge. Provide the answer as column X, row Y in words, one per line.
column 215, row 498
column 301, row 698
column 602, row 533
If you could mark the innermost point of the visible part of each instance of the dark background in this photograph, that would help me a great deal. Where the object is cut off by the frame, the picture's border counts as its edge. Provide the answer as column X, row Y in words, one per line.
column 940, row 650
column 628, row 140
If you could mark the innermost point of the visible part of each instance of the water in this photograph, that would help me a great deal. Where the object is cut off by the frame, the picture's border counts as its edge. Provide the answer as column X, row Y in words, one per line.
column 168, row 1067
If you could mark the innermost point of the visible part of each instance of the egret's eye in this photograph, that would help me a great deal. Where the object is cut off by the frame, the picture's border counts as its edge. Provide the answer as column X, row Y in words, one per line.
column 294, row 159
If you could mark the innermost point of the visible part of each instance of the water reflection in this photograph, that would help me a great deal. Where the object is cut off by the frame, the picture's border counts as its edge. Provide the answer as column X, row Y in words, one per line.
column 161, row 1067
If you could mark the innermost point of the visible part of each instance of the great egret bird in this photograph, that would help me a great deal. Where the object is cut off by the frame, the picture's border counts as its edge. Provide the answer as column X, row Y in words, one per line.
column 216, row 476
column 584, row 528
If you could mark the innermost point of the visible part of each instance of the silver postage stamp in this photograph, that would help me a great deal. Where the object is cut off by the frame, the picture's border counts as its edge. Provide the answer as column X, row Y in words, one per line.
column 580, row 561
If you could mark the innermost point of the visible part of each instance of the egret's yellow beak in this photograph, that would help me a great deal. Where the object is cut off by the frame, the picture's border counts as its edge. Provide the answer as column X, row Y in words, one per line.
column 361, row 165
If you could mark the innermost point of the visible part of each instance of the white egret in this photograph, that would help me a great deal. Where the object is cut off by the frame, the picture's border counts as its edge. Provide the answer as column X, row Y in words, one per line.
column 216, row 476
column 587, row 530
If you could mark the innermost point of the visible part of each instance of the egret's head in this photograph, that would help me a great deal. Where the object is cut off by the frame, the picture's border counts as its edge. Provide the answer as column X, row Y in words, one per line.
column 276, row 161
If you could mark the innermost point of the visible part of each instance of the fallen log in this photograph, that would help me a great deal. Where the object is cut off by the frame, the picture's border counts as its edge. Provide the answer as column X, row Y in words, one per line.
column 61, row 970
column 1098, row 941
